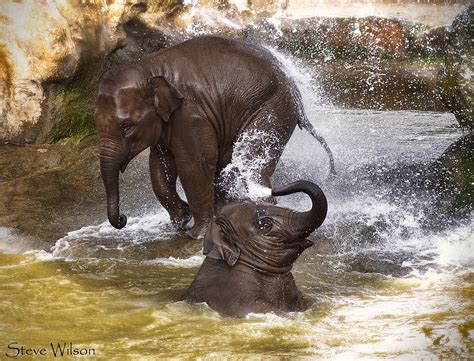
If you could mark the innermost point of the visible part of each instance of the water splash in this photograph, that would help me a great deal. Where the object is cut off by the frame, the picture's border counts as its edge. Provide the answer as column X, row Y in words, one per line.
column 86, row 241
column 190, row 262
column 241, row 177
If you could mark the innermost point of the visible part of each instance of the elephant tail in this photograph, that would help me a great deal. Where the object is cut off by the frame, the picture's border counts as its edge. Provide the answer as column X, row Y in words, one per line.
column 304, row 123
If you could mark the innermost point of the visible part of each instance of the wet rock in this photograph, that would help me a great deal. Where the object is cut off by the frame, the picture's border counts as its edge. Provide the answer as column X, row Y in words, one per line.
column 61, row 39
column 445, row 185
column 362, row 62
column 41, row 91
column 385, row 85
column 50, row 48
column 333, row 38
column 49, row 190
column 44, row 194
column 458, row 162
column 456, row 78
column 48, row 42
column 428, row 43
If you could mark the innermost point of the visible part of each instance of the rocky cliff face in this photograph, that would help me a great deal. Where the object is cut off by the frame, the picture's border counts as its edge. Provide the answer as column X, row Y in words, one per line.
column 48, row 41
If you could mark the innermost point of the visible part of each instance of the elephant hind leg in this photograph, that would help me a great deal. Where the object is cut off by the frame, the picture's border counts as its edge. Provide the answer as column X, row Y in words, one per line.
column 266, row 182
column 220, row 195
column 261, row 145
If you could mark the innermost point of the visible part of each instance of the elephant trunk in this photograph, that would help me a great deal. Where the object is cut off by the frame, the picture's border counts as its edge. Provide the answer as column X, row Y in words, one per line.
column 110, row 163
column 304, row 223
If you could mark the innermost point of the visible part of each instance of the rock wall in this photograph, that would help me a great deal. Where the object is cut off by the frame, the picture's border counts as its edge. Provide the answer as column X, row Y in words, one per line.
column 47, row 41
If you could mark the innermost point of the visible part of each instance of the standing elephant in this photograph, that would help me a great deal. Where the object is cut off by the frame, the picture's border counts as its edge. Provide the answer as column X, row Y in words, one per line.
column 250, row 251
column 189, row 103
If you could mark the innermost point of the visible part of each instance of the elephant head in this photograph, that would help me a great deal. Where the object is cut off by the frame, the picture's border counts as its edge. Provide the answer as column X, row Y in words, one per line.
column 130, row 112
column 265, row 237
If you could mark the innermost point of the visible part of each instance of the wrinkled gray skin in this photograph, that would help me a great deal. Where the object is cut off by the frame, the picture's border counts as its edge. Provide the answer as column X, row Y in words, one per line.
column 250, row 250
column 189, row 103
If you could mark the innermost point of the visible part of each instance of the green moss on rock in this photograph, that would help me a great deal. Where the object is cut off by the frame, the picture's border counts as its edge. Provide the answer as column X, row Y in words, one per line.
column 76, row 120
column 425, row 59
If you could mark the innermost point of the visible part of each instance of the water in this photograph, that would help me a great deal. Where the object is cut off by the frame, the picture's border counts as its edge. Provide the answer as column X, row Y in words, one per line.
column 390, row 275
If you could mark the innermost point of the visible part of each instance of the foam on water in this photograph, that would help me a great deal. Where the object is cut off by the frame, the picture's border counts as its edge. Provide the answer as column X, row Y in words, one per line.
column 139, row 229
column 191, row 262
column 452, row 250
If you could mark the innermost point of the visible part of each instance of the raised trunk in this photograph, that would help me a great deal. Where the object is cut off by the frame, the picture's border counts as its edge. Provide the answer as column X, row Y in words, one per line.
column 304, row 223
column 109, row 168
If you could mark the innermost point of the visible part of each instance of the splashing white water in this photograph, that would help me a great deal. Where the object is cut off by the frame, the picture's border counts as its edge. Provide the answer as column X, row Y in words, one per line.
column 191, row 262
column 138, row 230
column 241, row 177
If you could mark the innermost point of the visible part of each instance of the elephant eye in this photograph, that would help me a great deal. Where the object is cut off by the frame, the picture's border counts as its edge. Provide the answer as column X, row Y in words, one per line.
column 264, row 224
column 126, row 127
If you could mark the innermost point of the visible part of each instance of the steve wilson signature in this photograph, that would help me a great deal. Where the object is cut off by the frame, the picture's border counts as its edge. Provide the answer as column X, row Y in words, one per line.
column 55, row 349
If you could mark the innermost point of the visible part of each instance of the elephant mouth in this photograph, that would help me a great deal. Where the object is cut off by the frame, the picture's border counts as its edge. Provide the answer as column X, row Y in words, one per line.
column 125, row 164
column 299, row 243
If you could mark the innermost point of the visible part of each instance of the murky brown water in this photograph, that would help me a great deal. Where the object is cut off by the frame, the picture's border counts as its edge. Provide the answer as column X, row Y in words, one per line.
column 126, row 309
column 382, row 284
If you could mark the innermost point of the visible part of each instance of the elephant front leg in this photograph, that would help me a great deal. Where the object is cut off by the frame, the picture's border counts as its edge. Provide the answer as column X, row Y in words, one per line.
column 197, row 178
column 164, row 174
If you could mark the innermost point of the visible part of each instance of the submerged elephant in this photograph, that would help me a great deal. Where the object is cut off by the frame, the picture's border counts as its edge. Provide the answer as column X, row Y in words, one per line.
column 250, row 250
column 189, row 103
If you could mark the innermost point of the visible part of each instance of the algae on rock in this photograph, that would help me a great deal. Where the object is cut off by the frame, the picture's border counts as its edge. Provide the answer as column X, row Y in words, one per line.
column 74, row 105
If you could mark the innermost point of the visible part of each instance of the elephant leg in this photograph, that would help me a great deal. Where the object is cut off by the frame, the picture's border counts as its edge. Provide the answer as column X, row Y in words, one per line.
column 283, row 119
column 164, row 174
column 197, row 177
column 220, row 194
column 266, row 182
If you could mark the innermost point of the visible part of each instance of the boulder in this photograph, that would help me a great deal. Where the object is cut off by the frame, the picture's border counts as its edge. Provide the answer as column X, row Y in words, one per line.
column 456, row 77
column 333, row 38
column 428, row 43
column 53, row 53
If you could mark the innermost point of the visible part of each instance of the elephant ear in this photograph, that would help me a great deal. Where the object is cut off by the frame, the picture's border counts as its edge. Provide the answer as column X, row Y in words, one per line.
column 166, row 98
column 218, row 246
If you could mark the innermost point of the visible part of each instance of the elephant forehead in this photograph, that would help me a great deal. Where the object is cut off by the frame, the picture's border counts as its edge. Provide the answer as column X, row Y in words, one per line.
column 129, row 101
column 270, row 210
column 239, row 212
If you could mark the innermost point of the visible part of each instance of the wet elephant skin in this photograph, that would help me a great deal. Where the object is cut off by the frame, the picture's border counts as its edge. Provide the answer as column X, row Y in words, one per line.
column 250, row 250
column 189, row 104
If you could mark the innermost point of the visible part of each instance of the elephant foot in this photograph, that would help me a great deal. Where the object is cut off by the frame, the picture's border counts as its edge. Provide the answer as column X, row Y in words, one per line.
column 180, row 220
column 270, row 199
column 197, row 231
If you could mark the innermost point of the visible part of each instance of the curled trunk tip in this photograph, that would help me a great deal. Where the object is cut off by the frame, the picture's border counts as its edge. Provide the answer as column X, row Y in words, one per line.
column 110, row 172
column 308, row 221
